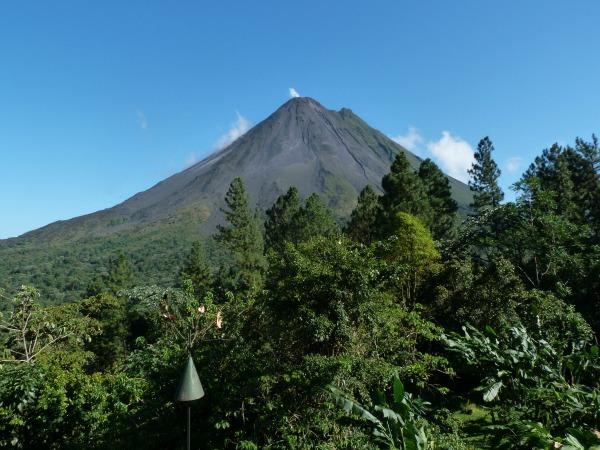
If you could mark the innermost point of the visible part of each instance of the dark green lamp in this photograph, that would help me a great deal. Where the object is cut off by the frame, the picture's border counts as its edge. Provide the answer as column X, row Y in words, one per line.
column 189, row 389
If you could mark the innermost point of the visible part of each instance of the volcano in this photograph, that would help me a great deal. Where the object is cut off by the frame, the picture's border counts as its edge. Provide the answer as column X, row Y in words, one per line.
column 302, row 144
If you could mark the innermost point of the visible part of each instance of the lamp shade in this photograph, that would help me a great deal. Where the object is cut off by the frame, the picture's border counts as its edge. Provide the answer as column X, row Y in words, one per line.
column 189, row 387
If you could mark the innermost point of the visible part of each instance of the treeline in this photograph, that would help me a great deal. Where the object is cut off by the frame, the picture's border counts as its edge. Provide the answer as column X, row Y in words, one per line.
column 407, row 328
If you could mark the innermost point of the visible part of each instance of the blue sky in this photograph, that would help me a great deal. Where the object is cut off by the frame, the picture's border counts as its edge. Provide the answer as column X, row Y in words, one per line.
column 101, row 100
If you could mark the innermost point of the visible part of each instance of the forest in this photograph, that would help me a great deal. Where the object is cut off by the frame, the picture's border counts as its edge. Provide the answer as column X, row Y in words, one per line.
column 408, row 326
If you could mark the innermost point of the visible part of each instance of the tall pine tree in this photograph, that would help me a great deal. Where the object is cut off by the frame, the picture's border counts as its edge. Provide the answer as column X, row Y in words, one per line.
column 403, row 191
column 572, row 176
column 279, row 224
column 484, row 178
column 361, row 226
column 243, row 239
column 438, row 191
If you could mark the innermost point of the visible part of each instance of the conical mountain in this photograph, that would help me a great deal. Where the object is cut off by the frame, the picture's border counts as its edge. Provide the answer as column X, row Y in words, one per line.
column 333, row 153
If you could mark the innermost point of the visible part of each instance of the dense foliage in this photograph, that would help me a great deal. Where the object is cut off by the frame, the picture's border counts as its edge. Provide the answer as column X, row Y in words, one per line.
column 407, row 328
column 64, row 270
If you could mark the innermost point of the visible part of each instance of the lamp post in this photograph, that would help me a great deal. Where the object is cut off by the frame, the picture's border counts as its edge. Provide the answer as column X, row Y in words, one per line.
column 189, row 389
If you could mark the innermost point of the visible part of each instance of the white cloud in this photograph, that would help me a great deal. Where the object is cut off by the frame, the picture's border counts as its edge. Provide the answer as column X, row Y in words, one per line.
column 410, row 140
column 513, row 164
column 238, row 128
column 453, row 154
column 142, row 121
column 293, row 93
column 191, row 159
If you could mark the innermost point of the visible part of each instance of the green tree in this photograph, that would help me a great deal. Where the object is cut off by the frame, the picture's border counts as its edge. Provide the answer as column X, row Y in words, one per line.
column 279, row 225
column 243, row 239
column 482, row 294
column 120, row 273
column 196, row 270
column 314, row 219
column 182, row 319
column 572, row 175
column 553, row 174
column 484, row 178
column 331, row 321
column 361, row 227
column 31, row 331
column 588, row 179
column 110, row 344
column 443, row 206
column 323, row 296
column 55, row 404
column 410, row 256
column 403, row 191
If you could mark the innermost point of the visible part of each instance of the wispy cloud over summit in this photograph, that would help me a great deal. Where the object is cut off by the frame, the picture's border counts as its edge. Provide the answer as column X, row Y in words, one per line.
column 293, row 93
column 238, row 128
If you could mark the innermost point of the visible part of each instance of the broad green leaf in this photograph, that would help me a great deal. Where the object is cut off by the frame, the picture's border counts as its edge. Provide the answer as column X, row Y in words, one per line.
column 572, row 443
column 491, row 392
column 398, row 391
